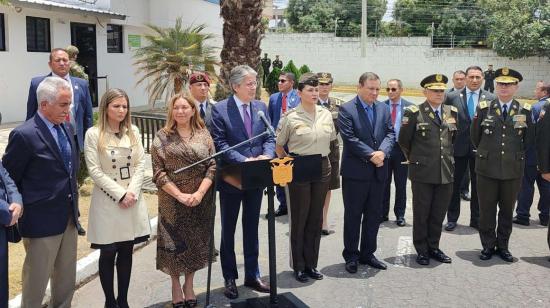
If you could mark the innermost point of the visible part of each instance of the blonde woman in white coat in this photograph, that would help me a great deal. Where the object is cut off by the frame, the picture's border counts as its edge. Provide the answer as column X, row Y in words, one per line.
column 118, row 215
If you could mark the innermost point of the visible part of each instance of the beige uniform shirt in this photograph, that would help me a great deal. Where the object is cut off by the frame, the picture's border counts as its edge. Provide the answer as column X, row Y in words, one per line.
column 304, row 134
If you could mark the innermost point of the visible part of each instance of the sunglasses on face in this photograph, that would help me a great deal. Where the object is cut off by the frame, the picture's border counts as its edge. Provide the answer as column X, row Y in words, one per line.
column 391, row 89
column 282, row 80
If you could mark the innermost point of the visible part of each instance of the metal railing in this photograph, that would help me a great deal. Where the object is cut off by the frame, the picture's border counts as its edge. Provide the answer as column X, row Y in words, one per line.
column 148, row 126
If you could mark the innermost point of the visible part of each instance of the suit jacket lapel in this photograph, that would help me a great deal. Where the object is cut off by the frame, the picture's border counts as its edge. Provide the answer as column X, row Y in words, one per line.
column 46, row 136
column 235, row 115
column 379, row 108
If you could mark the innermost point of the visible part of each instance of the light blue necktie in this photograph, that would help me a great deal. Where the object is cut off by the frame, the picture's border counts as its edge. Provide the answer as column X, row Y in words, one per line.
column 471, row 108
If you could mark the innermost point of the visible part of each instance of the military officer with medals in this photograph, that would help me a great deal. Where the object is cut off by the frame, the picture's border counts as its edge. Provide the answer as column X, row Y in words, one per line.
column 426, row 137
column 543, row 146
column 500, row 132
column 325, row 86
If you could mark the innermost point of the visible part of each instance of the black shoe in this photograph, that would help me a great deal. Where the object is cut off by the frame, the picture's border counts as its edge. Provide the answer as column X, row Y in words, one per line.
column 465, row 196
column 111, row 304
column 230, row 291
column 422, row 259
column 122, row 303
column 257, row 285
column 178, row 305
column 373, row 262
column 505, row 255
column 521, row 221
column 351, row 267
column 474, row 225
column 326, row 232
column 281, row 212
column 440, row 256
column 191, row 303
column 544, row 220
column 487, row 253
column 450, row 226
column 301, row 276
column 401, row 221
column 313, row 273
column 80, row 230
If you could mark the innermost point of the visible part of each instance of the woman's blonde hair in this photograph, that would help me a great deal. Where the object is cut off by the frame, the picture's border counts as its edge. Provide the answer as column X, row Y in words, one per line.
column 125, row 126
column 196, row 121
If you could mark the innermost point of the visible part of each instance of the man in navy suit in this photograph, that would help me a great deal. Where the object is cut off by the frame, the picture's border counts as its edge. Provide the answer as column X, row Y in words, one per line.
column 368, row 136
column 42, row 160
column 235, row 120
column 395, row 168
column 465, row 102
column 81, row 113
column 279, row 103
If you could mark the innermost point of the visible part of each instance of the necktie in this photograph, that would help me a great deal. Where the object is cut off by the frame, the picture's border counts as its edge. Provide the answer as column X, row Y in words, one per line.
column 504, row 111
column 247, row 121
column 284, row 103
column 393, row 113
column 203, row 114
column 370, row 115
column 471, row 108
column 63, row 146
column 437, row 118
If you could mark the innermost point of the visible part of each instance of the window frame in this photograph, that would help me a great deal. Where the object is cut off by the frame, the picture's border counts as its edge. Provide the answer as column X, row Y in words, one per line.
column 48, row 36
column 3, row 46
column 120, row 30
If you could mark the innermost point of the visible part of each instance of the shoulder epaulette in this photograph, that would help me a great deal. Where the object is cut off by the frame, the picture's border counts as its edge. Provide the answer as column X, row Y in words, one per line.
column 483, row 105
column 527, row 106
column 412, row 108
column 454, row 109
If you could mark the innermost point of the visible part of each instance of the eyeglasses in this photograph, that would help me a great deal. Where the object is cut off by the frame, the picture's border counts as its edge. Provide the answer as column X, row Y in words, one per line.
column 282, row 80
column 391, row 89
column 252, row 84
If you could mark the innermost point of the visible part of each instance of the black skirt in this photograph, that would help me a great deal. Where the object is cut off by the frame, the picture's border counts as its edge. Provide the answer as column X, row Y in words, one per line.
column 137, row 240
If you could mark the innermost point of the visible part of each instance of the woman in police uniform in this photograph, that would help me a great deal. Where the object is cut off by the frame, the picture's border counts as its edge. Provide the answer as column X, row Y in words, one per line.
column 306, row 130
column 118, row 215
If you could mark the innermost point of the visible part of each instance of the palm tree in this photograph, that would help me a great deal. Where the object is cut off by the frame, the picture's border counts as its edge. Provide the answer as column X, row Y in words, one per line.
column 170, row 56
column 242, row 34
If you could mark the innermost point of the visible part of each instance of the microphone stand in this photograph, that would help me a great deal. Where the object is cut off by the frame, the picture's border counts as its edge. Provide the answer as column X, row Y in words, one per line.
column 217, row 156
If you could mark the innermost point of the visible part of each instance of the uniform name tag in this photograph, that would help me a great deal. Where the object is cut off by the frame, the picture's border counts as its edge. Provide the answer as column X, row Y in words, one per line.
column 124, row 173
column 451, row 121
column 520, row 118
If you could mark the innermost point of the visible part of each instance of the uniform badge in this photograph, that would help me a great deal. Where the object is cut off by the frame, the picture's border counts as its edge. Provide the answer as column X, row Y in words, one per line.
column 505, row 71
column 282, row 170
column 199, row 78
column 76, row 87
column 512, row 112
column 405, row 120
column 487, row 131
column 454, row 109
column 413, row 108
column 426, row 109
column 438, row 78
column 451, row 120
column 483, row 104
column 520, row 118
column 432, row 115
column 527, row 106
column 497, row 111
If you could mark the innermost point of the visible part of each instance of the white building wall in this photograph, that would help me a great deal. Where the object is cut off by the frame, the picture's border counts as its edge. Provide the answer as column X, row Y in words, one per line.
column 409, row 59
column 17, row 66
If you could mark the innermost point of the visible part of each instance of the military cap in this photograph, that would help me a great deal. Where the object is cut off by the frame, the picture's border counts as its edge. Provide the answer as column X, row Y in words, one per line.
column 324, row 77
column 199, row 77
column 435, row 82
column 506, row 75
column 309, row 79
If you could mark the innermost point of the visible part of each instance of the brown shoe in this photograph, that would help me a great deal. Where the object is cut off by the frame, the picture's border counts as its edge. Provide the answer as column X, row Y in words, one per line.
column 257, row 285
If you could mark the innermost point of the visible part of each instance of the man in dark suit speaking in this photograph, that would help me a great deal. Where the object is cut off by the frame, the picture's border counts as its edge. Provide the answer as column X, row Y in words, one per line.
column 42, row 159
column 368, row 136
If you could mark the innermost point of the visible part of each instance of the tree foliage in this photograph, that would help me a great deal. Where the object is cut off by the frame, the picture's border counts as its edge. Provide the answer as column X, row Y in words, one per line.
column 272, row 80
column 344, row 16
column 291, row 68
column 519, row 29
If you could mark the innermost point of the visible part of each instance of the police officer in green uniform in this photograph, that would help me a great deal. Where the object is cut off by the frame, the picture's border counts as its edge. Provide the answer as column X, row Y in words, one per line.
column 325, row 86
column 307, row 129
column 543, row 146
column 500, row 131
column 426, row 137
column 266, row 64
column 277, row 63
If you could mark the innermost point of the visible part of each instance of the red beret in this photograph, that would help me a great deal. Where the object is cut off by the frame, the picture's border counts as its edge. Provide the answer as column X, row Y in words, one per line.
column 199, row 77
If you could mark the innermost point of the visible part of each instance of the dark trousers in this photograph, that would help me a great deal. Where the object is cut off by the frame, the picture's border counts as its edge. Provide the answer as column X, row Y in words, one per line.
column 461, row 166
column 429, row 207
column 280, row 192
column 230, row 205
column 399, row 173
column 362, row 212
column 493, row 193
column 489, row 86
column 3, row 268
column 527, row 191
column 465, row 185
column 306, row 216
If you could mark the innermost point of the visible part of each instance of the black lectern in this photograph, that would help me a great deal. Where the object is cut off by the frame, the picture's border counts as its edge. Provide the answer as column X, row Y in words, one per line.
column 259, row 174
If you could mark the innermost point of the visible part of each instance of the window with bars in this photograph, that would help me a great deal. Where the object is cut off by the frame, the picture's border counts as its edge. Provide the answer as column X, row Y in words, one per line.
column 114, row 39
column 38, row 34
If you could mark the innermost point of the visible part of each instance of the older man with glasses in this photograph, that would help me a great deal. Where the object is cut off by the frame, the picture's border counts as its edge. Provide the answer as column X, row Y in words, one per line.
column 395, row 168
column 279, row 103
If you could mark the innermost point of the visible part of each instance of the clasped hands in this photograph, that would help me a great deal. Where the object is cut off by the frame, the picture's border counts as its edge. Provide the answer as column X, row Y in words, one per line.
column 191, row 200
column 128, row 201
column 377, row 158
column 15, row 209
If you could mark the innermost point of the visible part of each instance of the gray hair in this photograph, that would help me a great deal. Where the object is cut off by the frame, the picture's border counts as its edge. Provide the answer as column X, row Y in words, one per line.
column 49, row 88
column 368, row 76
column 238, row 73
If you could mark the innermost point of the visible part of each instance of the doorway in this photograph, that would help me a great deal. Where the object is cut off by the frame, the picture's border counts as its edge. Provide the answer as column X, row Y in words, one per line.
column 83, row 36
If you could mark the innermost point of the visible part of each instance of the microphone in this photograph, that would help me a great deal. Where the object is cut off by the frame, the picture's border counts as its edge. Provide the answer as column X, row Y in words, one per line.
column 267, row 125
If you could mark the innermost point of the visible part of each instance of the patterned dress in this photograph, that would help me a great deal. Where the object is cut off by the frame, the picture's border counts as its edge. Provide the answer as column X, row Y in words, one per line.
column 183, row 232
